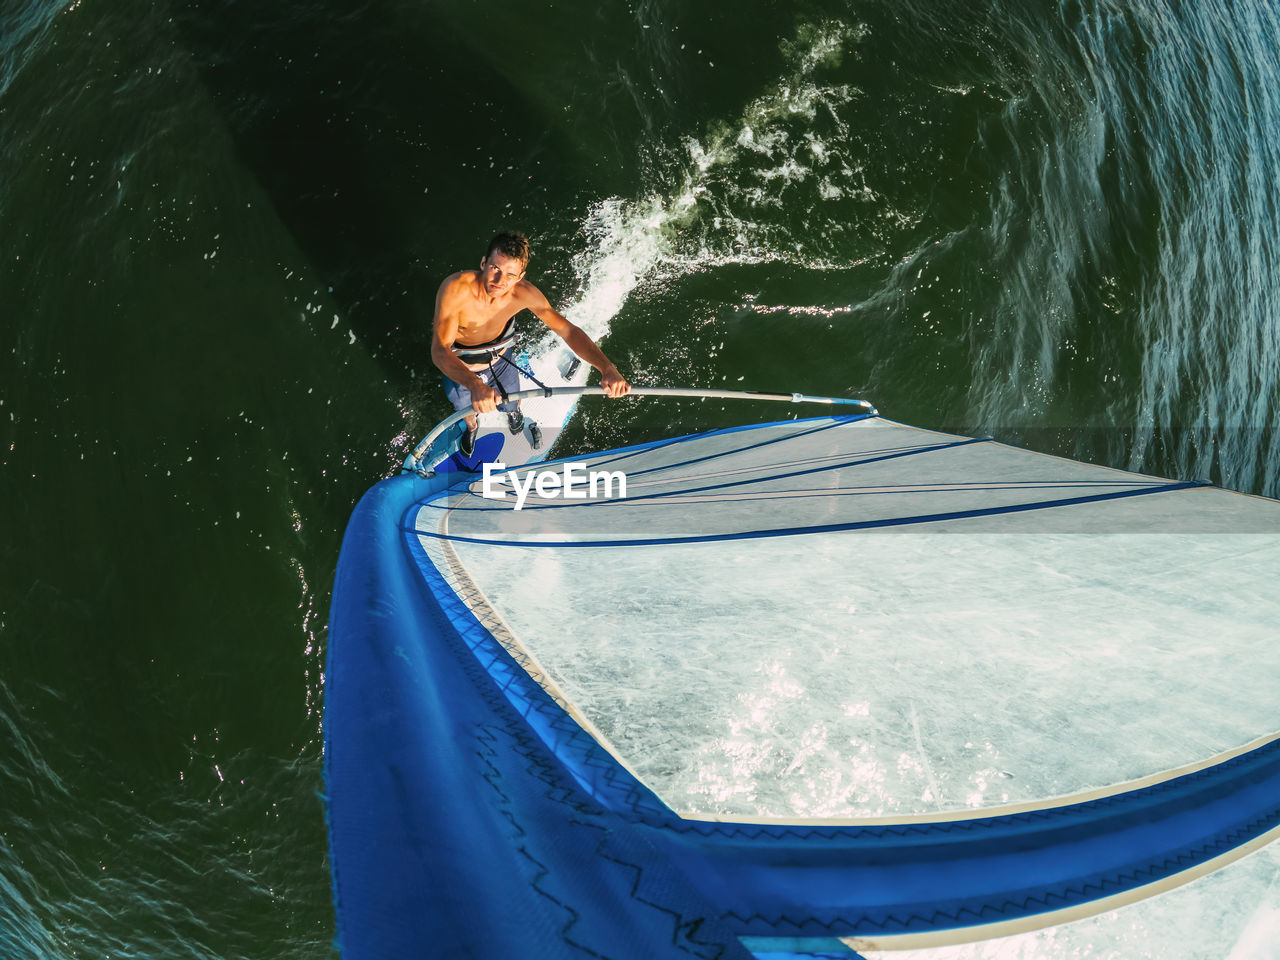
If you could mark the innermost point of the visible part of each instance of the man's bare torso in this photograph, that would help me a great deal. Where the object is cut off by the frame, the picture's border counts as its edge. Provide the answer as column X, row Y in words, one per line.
column 482, row 318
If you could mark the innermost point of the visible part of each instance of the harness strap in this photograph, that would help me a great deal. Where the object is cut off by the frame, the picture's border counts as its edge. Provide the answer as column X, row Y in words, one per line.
column 546, row 391
column 497, row 381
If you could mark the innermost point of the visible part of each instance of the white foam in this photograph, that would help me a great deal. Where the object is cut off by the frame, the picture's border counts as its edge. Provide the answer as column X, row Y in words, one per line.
column 626, row 242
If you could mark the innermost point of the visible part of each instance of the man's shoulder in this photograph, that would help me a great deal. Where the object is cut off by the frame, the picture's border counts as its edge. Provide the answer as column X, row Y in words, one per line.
column 461, row 278
column 527, row 295
column 464, row 283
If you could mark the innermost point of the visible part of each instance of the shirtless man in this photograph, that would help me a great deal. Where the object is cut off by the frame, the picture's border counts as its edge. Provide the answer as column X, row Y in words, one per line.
column 474, row 328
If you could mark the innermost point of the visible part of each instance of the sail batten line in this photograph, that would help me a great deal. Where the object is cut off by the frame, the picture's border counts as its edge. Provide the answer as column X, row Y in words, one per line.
column 834, row 527
column 683, row 497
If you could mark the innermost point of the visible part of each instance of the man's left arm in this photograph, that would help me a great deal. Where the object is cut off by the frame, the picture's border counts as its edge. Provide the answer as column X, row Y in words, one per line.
column 614, row 384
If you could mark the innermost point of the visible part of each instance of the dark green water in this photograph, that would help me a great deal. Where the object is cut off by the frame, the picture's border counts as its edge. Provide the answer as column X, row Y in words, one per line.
column 221, row 229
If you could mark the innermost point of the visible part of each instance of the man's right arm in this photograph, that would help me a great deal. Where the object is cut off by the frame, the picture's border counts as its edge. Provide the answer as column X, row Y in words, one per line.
column 444, row 332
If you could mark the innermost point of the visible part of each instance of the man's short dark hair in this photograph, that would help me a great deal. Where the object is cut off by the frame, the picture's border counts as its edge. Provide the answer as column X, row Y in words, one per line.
column 514, row 245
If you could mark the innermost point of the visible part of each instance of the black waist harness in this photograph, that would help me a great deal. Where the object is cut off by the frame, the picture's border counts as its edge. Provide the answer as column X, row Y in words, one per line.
column 484, row 352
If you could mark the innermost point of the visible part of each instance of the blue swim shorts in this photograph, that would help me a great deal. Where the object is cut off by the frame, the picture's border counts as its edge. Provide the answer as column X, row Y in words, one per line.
column 502, row 374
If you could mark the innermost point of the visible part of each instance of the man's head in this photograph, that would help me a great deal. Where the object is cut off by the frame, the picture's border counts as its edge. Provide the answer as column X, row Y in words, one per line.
column 505, row 262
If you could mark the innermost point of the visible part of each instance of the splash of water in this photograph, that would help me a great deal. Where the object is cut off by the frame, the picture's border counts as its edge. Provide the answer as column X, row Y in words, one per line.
column 729, row 194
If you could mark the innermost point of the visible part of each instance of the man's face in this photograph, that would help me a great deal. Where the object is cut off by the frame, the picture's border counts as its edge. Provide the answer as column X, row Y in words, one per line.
column 500, row 273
